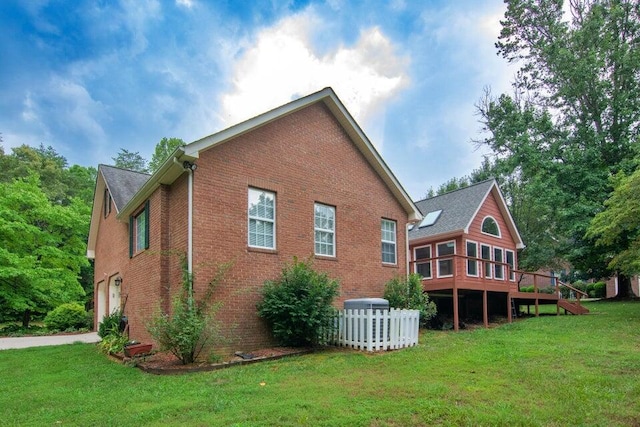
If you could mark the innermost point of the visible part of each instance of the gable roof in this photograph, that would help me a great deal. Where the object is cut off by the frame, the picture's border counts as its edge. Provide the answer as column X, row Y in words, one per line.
column 138, row 189
column 459, row 208
column 122, row 184
column 172, row 168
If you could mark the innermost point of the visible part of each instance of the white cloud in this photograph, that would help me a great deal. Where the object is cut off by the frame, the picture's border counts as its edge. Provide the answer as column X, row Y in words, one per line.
column 282, row 64
column 185, row 3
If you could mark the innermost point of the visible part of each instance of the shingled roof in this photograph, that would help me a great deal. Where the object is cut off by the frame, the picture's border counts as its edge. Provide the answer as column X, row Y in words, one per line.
column 122, row 184
column 459, row 208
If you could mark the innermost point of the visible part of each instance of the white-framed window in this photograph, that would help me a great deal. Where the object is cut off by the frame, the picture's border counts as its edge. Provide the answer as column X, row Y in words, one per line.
column 472, row 264
column 388, row 228
column 490, row 226
column 423, row 268
column 511, row 260
column 498, row 257
column 445, row 265
column 325, row 229
column 262, row 219
column 485, row 253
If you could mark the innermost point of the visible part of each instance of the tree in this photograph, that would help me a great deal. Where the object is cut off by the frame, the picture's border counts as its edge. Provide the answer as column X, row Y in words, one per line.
column 163, row 150
column 618, row 226
column 131, row 161
column 43, row 249
column 574, row 117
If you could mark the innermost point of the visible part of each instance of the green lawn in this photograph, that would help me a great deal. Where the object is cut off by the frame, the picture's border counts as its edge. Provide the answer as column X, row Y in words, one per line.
column 567, row 370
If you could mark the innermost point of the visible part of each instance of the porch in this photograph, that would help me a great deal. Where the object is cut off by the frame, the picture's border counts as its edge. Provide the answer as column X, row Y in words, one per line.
column 465, row 286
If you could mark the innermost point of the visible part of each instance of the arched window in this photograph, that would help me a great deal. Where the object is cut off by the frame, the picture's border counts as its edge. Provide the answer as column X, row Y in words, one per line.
column 490, row 226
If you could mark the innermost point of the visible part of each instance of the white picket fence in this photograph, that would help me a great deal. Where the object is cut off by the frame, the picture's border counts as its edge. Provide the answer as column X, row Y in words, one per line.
column 375, row 330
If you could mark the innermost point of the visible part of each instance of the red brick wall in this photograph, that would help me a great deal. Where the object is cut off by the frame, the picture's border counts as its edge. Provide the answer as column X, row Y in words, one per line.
column 111, row 252
column 304, row 158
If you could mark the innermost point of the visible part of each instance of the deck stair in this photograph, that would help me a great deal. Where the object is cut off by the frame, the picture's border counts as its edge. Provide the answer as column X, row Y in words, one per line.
column 572, row 307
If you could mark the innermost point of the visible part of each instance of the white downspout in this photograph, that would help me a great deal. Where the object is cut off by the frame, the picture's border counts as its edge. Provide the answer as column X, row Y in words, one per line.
column 406, row 241
column 189, row 214
column 190, row 225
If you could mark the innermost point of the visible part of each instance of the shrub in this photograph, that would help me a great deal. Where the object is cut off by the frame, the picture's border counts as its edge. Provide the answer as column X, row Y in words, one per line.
column 191, row 326
column 297, row 306
column 110, row 324
column 113, row 333
column 408, row 293
column 600, row 290
column 527, row 289
column 66, row 316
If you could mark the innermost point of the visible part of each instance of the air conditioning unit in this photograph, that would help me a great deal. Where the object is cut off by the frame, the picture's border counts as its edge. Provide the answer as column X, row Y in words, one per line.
column 366, row 304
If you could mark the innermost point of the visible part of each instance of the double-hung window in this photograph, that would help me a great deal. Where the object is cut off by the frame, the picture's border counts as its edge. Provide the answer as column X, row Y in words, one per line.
column 445, row 265
column 388, row 241
column 499, row 268
column 325, row 230
column 511, row 261
column 262, row 219
column 422, row 256
column 472, row 263
column 485, row 254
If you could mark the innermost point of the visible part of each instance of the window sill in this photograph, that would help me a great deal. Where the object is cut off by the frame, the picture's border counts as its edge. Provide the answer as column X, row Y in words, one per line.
column 325, row 257
column 389, row 265
column 262, row 250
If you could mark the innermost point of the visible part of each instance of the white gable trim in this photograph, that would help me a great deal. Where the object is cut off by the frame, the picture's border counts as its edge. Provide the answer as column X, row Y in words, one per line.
column 504, row 210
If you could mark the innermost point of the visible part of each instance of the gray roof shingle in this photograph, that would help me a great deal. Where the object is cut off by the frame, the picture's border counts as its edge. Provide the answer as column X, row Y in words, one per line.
column 122, row 184
column 458, row 209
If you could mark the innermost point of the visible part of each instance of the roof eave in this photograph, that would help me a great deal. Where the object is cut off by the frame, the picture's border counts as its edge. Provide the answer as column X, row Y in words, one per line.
column 353, row 130
column 168, row 172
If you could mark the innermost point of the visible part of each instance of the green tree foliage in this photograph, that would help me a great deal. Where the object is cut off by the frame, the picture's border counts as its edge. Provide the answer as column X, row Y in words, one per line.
column 618, row 226
column 43, row 249
column 130, row 160
column 163, row 150
column 572, row 122
column 407, row 293
column 297, row 305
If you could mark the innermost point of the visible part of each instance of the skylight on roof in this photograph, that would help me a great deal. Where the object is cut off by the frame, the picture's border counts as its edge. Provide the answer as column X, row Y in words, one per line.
column 430, row 218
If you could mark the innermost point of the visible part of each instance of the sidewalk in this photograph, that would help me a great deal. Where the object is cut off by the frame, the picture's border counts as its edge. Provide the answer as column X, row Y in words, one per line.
column 26, row 342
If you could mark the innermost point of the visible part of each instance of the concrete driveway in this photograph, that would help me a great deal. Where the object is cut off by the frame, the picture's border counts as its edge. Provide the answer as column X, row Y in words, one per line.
column 25, row 342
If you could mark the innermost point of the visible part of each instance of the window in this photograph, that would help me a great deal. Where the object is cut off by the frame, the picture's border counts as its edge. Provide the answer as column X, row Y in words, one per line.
column 107, row 203
column 388, row 241
column 490, row 226
column 139, row 231
column 423, row 268
column 262, row 219
column 445, row 266
column 430, row 218
column 485, row 253
column 498, row 267
column 472, row 264
column 511, row 261
column 325, row 226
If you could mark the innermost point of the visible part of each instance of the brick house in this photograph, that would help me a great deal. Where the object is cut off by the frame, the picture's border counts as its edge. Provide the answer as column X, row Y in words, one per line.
column 300, row 180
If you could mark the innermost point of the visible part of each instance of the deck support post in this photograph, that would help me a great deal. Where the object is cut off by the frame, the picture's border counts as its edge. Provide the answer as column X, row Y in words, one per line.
column 509, row 316
column 456, row 319
column 535, row 289
column 485, row 309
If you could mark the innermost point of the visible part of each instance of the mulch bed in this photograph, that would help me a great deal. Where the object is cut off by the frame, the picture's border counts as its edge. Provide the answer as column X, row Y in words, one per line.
column 168, row 364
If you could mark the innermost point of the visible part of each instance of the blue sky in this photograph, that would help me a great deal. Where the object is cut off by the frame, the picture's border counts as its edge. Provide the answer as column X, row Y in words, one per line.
column 91, row 77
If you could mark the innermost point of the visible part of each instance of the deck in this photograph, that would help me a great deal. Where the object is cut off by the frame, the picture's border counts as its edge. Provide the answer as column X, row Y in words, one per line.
column 496, row 288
